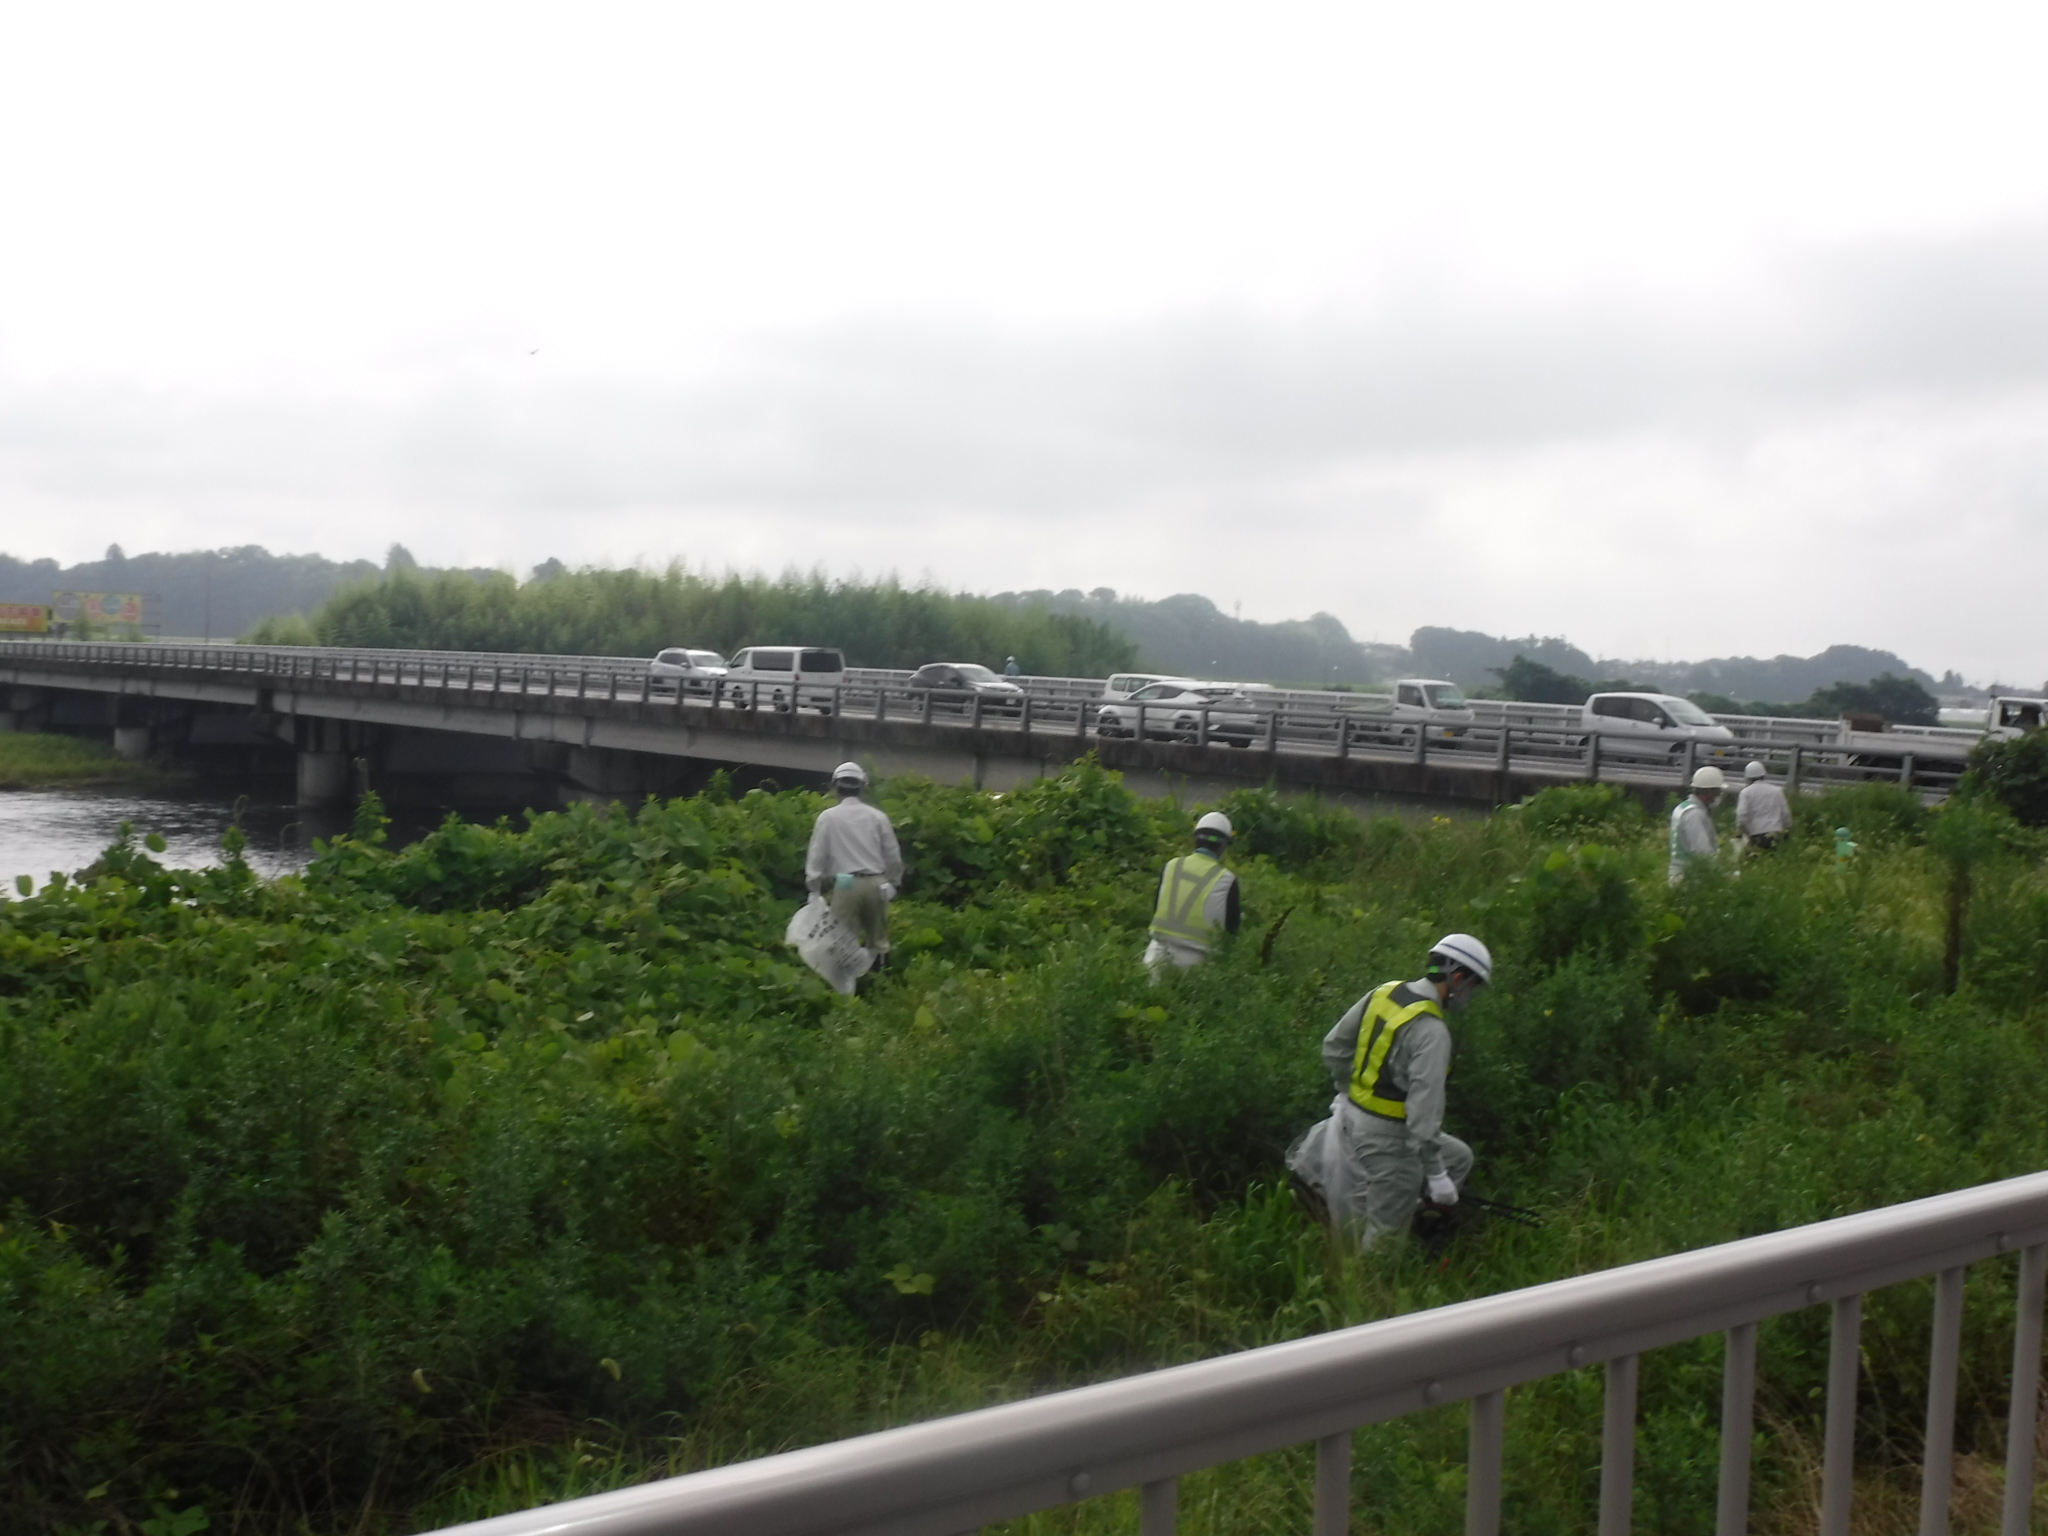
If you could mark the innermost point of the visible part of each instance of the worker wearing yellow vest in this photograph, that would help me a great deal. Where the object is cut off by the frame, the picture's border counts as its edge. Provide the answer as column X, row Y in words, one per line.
column 1197, row 899
column 1383, row 1144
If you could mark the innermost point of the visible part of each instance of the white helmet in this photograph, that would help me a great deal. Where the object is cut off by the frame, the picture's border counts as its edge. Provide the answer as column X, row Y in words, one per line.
column 1709, row 777
column 1217, row 822
column 1755, row 770
column 1461, row 949
column 850, row 773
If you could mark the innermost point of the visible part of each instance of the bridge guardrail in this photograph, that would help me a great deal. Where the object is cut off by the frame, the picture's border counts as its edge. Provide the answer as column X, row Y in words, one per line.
column 1145, row 1432
column 1286, row 721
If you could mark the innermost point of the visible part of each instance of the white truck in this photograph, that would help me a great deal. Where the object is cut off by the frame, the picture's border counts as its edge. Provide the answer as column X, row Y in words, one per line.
column 2004, row 717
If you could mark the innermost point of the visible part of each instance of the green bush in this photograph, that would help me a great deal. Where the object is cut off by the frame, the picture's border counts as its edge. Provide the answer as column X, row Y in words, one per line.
column 2015, row 774
column 524, row 1160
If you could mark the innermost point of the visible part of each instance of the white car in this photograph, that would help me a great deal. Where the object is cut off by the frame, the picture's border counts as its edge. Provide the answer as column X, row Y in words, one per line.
column 1653, row 725
column 688, row 671
column 1173, row 711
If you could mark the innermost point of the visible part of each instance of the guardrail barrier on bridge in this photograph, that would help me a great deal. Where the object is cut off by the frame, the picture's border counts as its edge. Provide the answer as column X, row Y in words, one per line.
column 1546, row 741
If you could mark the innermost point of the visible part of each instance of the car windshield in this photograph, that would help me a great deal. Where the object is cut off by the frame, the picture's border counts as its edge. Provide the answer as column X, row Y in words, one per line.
column 705, row 658
column 1685, row 712
column 1445, row 696
column 974, row 672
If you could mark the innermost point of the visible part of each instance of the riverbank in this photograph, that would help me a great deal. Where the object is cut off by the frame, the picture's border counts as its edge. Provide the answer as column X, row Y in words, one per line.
column 42, row 761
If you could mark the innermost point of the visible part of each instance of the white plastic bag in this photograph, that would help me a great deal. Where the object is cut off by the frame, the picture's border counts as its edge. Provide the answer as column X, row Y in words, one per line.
column 828, row 946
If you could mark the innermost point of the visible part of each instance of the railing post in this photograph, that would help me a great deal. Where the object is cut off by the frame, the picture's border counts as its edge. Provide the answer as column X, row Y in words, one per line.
column 2026, row 1391
column 1692, row 749
column 975, row 718
column 1482, row 1465
column 1081, row 719
column 1792, row 770
column 1593, row 757
column 1500, row 751
column 647, row 685
column 1838, row 1458
column 1157, row 1514
column 882, row 700
column 925, row 714
column 1938, row 1472
column 1024, row 719
column 1906, row 770
column 1333, row 1485
column 1738, row 1400
column 1618, row 1447
column 1343, row 736
column 611, row 687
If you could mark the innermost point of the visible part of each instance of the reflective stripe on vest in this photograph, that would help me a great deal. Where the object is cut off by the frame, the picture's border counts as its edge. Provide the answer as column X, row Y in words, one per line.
column 1383, row 1019
column 1182, row 891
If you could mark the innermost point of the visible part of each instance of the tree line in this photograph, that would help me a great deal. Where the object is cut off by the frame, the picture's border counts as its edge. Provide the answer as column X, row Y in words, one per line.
column 636, row 613
column 1900, row 700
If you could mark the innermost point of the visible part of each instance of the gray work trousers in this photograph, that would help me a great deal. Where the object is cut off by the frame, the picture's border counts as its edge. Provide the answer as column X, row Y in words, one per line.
column 1368, row 1170
column 864, row 909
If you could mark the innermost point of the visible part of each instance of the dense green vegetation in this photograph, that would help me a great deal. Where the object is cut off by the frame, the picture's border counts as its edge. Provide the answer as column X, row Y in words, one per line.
column 31, row 760
column 635, row 613
column 523, row 1161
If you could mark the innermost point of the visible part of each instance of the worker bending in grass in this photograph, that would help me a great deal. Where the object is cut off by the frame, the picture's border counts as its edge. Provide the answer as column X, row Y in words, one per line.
column 1198, row 901
column 854, row 861
column 1383, row 1146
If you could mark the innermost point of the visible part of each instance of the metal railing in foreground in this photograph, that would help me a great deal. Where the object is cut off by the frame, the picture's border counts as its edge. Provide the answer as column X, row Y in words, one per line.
column 1143, row 1432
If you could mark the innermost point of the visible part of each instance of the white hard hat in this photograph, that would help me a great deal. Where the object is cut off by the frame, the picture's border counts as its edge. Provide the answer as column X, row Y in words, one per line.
column 1461, row 949
column 1755, row 770
column 1709, row 777
column 849, row 773
column 1216, row 821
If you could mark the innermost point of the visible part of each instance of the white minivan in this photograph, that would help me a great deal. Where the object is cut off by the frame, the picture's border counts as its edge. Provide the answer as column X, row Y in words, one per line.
column 1652, row 725
column 783, row 677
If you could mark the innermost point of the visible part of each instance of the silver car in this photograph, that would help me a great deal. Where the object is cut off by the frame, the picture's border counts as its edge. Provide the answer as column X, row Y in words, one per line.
column 1655, row 726
column 688, row 671
column 1174, row 711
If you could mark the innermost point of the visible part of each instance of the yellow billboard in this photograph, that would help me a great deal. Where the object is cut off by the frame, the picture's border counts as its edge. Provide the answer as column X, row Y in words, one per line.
column 24, row 619
column 98, row 607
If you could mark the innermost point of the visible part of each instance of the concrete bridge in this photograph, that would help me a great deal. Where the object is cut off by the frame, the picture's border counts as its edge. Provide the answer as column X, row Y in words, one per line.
column 483, row 728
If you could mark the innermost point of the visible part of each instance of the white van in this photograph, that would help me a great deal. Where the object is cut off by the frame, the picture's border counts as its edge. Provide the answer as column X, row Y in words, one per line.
column 783, row 677
column 1122, row 685
column 1653, row 725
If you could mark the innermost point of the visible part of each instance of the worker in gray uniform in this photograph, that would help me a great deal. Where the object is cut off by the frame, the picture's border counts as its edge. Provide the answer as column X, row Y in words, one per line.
column 1693, row 840
column 854, row 861
column 1384, row 1146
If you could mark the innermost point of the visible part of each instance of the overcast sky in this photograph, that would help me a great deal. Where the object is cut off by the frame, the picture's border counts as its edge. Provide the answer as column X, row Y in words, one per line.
column 1676, row 331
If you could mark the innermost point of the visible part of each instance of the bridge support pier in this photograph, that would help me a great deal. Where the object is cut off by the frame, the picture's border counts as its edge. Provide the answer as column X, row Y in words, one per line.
column 131, row 742
column 323, row 778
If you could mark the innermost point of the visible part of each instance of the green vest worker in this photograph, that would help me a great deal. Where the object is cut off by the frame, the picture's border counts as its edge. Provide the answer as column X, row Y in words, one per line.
column 1197, row 899
column 1384, row 1143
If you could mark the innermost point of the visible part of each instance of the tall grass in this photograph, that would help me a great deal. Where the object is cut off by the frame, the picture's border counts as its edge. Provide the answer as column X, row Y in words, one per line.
column 523, row 1161
column 34, row 760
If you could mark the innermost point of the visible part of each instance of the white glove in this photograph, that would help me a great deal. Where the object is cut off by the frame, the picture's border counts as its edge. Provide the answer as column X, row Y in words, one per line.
column 1441, row 1190
column 888, row 891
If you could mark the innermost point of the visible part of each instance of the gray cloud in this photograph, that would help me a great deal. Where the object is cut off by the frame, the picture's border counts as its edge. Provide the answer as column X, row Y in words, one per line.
column 1852, row 392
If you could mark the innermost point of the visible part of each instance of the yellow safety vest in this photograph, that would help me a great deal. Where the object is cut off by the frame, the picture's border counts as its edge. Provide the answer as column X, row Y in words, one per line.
column 1383, row 1019
column 1183, row 889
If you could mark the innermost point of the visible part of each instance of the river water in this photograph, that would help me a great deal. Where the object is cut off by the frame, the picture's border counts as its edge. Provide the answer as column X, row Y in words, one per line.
column 65, row 829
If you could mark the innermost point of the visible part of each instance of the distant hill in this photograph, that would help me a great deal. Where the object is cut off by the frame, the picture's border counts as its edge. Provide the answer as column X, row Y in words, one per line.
column 217, row 592
column 1468, row 658
column 1189, row 635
